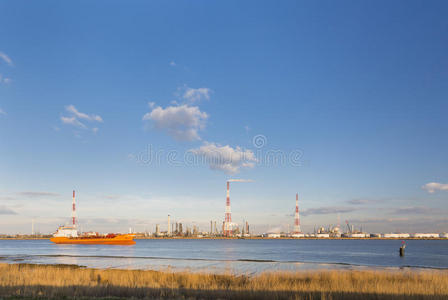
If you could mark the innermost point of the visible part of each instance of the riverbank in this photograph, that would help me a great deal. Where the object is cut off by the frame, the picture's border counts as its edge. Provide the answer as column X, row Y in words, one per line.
column 256, row 238
column 58, row 281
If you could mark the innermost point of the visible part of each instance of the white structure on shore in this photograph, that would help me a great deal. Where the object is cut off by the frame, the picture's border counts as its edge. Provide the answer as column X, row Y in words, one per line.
column 298, row 235
column 357, row 235
column 274, row 235
column 322, row 235
column 425, row 235
column 396, row 235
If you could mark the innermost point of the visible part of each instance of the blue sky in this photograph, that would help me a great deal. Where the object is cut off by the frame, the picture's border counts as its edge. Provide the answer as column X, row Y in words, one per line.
column 352, row 96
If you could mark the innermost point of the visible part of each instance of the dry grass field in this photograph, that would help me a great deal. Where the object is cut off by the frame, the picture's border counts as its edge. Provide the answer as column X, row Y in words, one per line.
column 56, row 282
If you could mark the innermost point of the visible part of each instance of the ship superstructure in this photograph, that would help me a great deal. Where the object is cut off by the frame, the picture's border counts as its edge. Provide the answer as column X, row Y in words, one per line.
column 69, row 231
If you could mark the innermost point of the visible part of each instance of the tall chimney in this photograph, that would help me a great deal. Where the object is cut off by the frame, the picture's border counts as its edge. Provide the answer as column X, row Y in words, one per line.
column 296, row 218
column 73, row 210
column 228, row 214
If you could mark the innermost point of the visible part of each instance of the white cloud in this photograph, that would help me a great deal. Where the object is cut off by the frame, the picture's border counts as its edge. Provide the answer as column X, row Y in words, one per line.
column 182, row 122
column 173, row 63
column 6, row 58
column 225, row 158
column 194, row 95
column 72, row 109
column 432, row 187
column 2, row 112
column 76, row 117
column 73, row 121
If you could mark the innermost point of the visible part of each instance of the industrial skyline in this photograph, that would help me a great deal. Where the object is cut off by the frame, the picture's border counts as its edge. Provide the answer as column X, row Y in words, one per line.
column 150, row 116
column 231, row 229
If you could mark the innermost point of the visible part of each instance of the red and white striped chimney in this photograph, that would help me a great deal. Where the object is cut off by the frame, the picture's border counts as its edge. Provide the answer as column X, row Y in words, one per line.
column 228, row 214
column 296, row 217
column 74, row 210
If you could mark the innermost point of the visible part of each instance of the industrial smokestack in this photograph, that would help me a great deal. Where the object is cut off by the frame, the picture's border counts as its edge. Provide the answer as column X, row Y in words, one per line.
column 227, row 227
column 296, row 217
column 228, row 214
column 74, row 210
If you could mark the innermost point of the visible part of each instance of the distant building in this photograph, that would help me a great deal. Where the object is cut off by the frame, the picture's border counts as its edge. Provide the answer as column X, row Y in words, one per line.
column 322, row 235
column 273, row 235
column 357, row 235
column 425, row 235
column 297, row 235
column 396, row 235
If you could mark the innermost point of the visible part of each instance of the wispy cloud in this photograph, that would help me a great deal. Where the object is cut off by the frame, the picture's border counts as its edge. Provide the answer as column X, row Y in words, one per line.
column 6, row 59
column 34, row 194
column 173, row 63
column 73, row 121
column 432, row 187
column 359, row 201
column 6, row 211
column 327, row 210
column 2, row 112
column 225, row 158
column 76, row 117
column 196, row 95
column 182, row 122
column 380, row 220
column 72, row 109
column 412, row 210
column 27, row 194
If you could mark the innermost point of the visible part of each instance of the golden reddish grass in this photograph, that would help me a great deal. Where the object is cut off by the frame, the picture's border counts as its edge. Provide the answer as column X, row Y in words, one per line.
column 64, row 281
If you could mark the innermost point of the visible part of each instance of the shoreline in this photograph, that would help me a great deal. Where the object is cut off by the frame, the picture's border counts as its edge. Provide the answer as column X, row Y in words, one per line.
column 59, row 281
column 261, row 238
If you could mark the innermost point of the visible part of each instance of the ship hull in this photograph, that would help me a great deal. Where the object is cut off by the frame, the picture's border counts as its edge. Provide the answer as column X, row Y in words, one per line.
column 117, row 240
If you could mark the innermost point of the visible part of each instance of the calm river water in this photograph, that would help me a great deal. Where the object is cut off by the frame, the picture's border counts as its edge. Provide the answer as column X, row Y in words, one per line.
column 237, row 256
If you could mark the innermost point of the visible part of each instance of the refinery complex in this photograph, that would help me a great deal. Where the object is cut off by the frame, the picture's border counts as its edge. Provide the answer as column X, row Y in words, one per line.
column 232, row 230
column 228, row 229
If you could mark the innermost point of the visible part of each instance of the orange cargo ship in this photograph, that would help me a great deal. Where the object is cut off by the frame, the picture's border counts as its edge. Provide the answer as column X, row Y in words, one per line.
column 70, row 235
column 110, row 239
